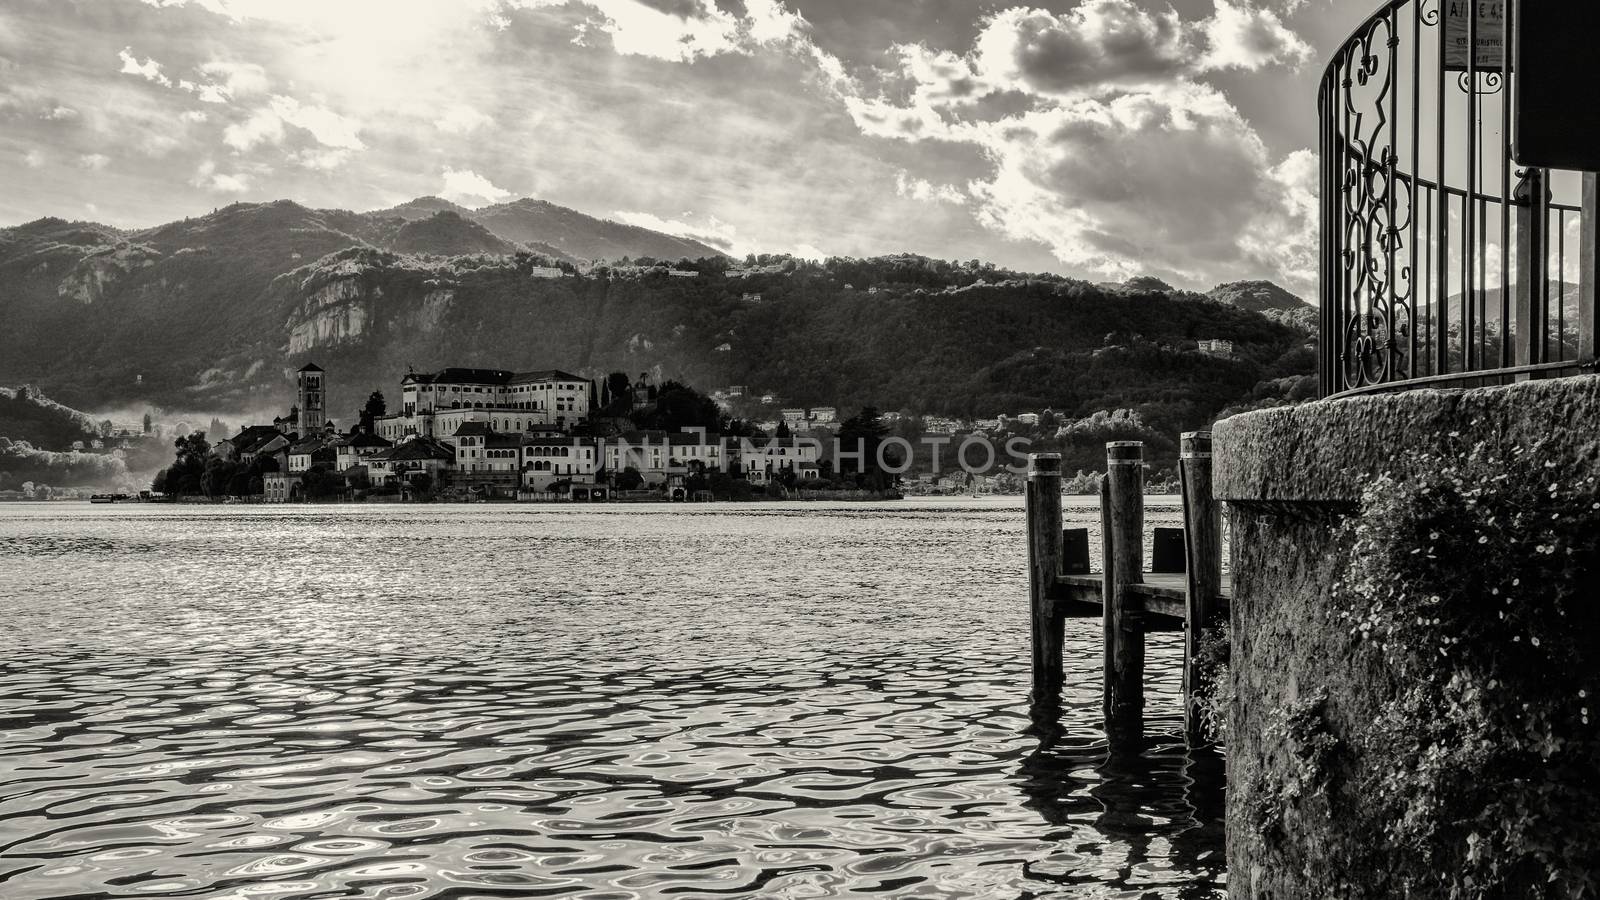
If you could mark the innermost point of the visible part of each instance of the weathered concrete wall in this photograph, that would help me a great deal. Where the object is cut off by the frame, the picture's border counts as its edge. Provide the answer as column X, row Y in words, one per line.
column 1300, row 683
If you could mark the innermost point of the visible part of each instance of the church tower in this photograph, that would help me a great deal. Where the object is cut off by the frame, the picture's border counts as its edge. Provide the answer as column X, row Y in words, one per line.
column 313, row 396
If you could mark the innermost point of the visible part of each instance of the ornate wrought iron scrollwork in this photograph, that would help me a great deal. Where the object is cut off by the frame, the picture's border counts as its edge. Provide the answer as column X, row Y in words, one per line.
column 1487, row 84
column 1371, row 204
column 1418, row 200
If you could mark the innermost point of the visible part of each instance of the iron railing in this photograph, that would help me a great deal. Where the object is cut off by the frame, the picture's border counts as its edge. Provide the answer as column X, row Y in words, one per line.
column 1443, row 263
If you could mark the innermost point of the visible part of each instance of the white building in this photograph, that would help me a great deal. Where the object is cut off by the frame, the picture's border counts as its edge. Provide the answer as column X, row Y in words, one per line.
column 547, row 460
column 410, row 459
column 438, row 404
column 486, row 458
column 353, row 451
column 824, row 415
column 763, row 460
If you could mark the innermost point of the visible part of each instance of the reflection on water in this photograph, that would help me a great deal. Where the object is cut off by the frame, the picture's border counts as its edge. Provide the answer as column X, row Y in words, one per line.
column 604, row 702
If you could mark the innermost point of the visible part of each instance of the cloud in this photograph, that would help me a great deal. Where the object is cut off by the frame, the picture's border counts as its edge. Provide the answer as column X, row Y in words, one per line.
column 328, row 127
column 194, row 115
column 461, row 119
column 675, row 30
column 94, row 161
column 464, row 185
column 33, row 159
column 1243, row 38
column 266, row 126
column 59, row 113
column 1105, row 144
column 1101, row 42
column 207, row 176
column 321, row 159
column 926, row 191
column 713, row 232
column 235, row 79
column 150, row 70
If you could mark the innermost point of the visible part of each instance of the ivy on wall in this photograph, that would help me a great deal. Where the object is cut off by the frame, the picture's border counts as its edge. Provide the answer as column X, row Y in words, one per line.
column 1475, row 581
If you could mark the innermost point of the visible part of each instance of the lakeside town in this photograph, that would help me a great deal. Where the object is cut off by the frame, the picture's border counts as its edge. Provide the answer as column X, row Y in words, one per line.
column 475, row 434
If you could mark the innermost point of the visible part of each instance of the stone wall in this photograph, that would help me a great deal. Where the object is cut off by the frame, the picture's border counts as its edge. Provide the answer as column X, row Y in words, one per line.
column 1303, row 688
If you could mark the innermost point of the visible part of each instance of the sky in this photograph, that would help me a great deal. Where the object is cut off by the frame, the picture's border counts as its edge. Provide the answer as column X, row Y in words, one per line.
column 1100, row 139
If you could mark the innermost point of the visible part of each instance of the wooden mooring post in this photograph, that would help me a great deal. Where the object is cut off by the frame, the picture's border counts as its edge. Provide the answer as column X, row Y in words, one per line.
column 1122, row 512
column 1044, row 573
column 1127, row 600
column 1202, row 531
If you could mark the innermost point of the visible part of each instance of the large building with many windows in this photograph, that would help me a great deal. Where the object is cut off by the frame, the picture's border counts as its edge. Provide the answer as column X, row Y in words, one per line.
column 438, row 404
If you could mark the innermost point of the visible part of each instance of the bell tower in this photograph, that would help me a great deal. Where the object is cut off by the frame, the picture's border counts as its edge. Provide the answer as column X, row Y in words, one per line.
column 312, row 387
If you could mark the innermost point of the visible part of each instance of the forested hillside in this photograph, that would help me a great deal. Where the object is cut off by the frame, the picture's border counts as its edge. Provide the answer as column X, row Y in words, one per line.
column 218, row 311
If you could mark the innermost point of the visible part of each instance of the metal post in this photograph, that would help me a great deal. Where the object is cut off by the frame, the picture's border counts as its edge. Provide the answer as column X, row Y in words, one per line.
column 1588, row 238
column 1533, row 246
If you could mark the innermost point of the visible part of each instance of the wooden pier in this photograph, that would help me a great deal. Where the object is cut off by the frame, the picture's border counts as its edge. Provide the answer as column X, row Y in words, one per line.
column 1188, row 594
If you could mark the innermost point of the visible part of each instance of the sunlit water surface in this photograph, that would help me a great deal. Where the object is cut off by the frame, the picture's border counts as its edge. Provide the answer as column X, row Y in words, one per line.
column 803, row 700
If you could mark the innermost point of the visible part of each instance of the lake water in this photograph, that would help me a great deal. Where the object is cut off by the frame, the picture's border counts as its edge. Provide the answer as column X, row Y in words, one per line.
column 609, row 701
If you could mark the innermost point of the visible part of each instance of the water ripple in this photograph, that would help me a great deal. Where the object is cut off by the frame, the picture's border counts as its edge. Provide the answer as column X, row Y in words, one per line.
column 415, row 702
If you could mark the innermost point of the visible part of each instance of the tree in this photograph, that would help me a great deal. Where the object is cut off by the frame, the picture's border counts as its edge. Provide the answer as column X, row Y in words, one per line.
column 617, row 394
column 863, row 433
column 629, row 480
column 678, row 406
column 374, row 409
column 320, row 483
column 188, row 466
column 147, row 423
column 218, row 477
column 783, row 430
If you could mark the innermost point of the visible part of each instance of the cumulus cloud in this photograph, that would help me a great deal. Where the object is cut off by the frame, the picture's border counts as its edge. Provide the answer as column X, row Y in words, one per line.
column 59, row 113
column 206, row 176
column 1102, row 42
column 922, row 189
column 1104, row 141
column 1240, row 37
column 149, row 70
column 266, row 125
column 262, row 127
column 464, row 186
column 677, row 31
column 328, row 127
column 33, row 159
column 94, row 161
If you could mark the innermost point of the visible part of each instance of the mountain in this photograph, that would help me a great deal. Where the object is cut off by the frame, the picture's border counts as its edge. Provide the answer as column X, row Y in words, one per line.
column 422, row 208
column 585, row 236
column 217, row 312
column 446, row 233
column 1257, row 296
